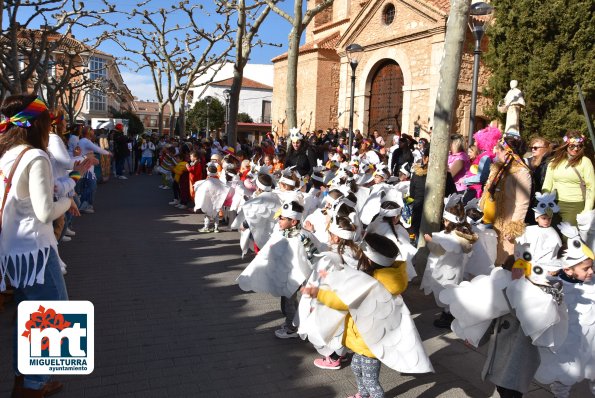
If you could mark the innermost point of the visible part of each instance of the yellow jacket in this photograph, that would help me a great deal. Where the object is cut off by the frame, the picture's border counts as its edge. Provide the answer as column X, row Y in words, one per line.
column 393, row 278
column 179, row 169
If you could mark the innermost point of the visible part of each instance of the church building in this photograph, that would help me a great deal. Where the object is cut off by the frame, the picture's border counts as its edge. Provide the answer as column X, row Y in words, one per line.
column 397, row 75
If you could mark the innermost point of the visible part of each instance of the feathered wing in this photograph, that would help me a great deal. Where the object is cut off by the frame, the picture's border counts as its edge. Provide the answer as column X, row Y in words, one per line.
column 574, row 360
column 383, row 320
column 370, row 207
column 240, row 193
column 362, row 194
column 483, row 255
column 586, row 226
column 474, row 304
column 318, row 220
column 209, row 196
column 312, row 201
column 278, row 269
column 259, row 214
column 541, row 318
column 323, row 326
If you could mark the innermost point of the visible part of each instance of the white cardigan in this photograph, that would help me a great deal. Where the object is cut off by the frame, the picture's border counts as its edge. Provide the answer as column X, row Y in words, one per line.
column 27, row 218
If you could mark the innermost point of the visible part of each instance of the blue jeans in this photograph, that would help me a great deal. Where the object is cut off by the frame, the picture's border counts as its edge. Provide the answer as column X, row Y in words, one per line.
column 88, row 186
column 53, row 288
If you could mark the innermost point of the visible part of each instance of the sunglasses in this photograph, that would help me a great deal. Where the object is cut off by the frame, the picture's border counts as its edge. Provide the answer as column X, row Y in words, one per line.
column 573, row 147
column 281, row 218
column 534, row 148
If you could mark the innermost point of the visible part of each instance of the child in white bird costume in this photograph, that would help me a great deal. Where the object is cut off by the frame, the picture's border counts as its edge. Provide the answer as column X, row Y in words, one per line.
column 377, row 324
column 543, row 238
column 449, row 251
column 574, row 361
column 209, row 196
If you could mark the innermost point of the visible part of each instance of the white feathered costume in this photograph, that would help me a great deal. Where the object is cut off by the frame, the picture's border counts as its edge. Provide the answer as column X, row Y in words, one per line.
column 259, row 214
column 574, row 360
column 209, row 195
column 383, row 320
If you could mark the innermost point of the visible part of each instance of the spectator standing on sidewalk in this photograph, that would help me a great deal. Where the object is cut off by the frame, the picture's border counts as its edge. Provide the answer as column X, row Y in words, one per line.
column 88, row 182
column 27, row 241
column 146, row 161
column 121, row 151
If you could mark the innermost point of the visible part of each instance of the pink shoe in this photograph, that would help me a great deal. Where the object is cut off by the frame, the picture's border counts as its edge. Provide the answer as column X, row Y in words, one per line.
column 355, row 396
column 328, row 363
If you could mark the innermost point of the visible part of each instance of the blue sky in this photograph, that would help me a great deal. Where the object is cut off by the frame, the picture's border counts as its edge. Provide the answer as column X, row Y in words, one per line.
column 274, row 30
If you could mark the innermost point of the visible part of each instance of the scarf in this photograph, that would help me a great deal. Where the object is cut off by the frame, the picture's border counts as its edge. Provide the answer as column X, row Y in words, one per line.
column 509, row 158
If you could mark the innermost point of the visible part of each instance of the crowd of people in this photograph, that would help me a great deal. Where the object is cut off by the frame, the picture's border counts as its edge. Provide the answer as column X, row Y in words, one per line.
column 334, row 230
column 335, row 235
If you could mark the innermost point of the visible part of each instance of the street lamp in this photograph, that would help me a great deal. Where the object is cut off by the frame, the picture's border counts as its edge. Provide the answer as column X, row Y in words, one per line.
column 227, row 93
column 353, row 53
column 208, row 100
column 479, row 17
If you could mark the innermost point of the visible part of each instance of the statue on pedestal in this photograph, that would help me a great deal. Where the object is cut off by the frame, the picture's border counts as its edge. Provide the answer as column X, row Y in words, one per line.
column 512, row 104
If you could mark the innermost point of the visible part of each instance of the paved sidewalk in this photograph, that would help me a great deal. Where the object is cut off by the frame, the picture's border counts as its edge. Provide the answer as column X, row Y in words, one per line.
column 171, row 322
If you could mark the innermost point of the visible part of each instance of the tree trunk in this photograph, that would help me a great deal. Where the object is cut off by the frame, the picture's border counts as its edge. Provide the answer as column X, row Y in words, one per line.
column 292, row 64
column 443, row 114
column 160, row 120
column 172, row 121
column 182, row 119
column 234, row 105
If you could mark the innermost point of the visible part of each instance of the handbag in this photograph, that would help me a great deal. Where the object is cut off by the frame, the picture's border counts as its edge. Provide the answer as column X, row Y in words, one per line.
column 8, row 182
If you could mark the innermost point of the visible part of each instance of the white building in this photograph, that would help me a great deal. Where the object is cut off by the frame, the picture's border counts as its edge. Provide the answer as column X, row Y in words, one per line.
column 256, row 94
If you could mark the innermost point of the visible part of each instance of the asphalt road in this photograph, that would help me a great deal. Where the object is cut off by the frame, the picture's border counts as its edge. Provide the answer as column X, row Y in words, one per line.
column 171, row 322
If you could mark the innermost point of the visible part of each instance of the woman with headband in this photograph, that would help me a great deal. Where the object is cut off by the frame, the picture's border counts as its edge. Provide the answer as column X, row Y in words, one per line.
column 570, row 174
column 27, row 240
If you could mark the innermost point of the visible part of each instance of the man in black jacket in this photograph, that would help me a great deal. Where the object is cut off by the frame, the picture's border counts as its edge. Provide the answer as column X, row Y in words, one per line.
column 121, row 151
column 300, row 154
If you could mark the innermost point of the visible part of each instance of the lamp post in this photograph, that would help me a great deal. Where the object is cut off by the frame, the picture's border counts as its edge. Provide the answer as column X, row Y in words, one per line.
column 227, row 93
column 353, row 52
column 479, row 17
column 208, row 100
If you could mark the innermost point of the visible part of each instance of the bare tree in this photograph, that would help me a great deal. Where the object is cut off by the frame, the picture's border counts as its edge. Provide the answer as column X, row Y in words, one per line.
column 250, row 17
column 177, row 47
column 298, row 22
column 27, row 53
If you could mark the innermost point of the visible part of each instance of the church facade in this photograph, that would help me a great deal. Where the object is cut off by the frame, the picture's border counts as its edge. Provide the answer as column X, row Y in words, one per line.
column 397, row 75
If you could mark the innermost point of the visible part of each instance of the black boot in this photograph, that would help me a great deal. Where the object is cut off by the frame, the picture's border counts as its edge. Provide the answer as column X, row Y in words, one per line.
column 444, row 321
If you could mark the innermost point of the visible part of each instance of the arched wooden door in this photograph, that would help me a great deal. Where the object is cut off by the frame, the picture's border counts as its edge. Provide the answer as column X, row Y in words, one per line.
column 386, row 98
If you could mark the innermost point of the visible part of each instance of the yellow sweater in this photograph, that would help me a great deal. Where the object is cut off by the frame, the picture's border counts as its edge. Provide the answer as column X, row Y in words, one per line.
column 565, row 181
column 394, row 279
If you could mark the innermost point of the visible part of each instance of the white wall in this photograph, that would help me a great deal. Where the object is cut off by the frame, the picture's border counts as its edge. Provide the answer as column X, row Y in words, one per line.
column 250, row 100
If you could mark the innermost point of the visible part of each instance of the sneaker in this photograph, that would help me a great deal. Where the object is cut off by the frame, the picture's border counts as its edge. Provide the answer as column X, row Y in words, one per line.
column 122, row 177
column 69, row 232
column 182, row 207
column 204, row 229
column 328, row 363
column 87, row 210
column 66, row 239
column 355, row 396
column 216, row 230
column 284, row 333
column 84, row 205
column 165, row 187
column 174, row 202
column 444, row 321
column 62, row 267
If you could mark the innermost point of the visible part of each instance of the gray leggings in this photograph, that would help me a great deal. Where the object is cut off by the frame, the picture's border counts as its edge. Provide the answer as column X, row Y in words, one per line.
column 367, row 371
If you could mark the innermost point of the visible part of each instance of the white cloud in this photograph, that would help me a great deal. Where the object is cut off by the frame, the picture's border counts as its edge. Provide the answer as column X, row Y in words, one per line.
column 141, row 85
